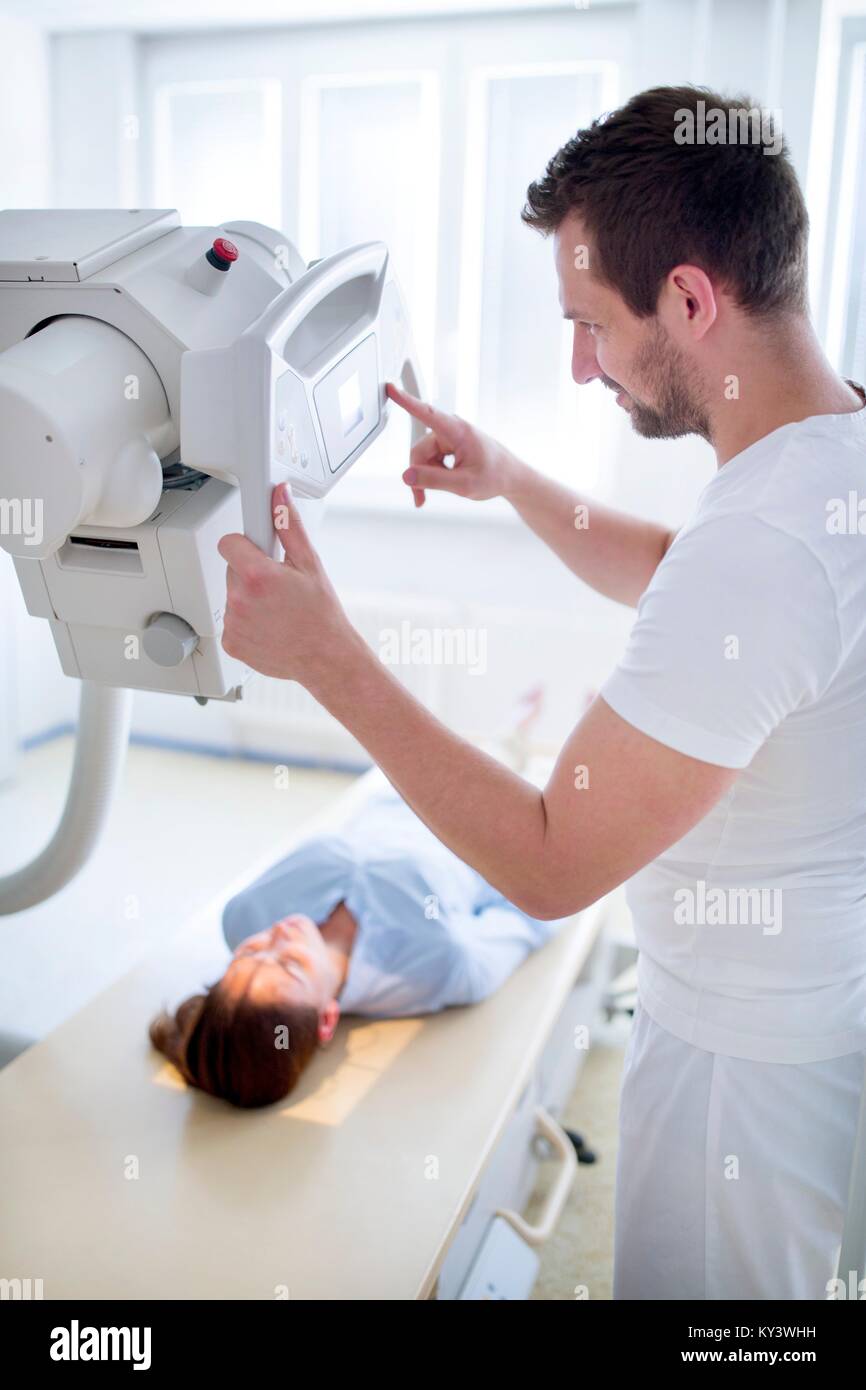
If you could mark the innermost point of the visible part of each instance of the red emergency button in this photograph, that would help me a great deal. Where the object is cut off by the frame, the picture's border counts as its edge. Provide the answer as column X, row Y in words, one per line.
column 222, row 253
column 226, row 249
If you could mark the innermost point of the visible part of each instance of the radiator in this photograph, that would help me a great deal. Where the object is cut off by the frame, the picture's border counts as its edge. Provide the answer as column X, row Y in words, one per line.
column 281, row 716
column 466, row 663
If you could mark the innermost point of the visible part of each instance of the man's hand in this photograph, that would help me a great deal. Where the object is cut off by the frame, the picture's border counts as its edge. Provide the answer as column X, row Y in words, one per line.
column 283, row 619
column 482, row 467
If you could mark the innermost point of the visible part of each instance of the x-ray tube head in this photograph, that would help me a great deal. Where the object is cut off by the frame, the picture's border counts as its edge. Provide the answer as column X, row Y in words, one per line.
column 85, row 418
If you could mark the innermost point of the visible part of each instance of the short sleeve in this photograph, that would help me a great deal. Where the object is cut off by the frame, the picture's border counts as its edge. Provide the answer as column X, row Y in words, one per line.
column 737, row 630
column 311, row 880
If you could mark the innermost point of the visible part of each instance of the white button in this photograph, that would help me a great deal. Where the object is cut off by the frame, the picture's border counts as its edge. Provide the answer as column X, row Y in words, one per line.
column 281, row 420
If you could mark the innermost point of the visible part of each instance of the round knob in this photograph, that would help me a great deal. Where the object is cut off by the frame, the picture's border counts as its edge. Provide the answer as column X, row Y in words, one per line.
column 222, row 254
column 168, row 640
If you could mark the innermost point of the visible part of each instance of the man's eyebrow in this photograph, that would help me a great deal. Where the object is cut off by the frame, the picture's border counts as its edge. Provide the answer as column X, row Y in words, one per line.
column 572, row 314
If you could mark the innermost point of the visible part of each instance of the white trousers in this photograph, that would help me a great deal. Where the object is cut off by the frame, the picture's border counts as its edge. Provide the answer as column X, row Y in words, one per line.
column 732, row 1176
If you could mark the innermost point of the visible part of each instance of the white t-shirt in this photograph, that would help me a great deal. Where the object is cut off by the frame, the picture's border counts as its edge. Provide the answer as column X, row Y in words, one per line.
column 749, row 651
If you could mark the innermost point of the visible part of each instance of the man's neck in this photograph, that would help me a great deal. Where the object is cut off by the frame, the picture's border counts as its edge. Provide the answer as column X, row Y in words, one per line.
column 781, row 379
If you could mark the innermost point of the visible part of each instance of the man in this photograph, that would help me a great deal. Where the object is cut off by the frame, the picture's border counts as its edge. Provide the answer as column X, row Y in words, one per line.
column 725, row 758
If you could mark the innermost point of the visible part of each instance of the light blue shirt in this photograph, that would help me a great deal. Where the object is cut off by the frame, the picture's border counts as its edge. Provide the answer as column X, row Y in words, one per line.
column 431, row 931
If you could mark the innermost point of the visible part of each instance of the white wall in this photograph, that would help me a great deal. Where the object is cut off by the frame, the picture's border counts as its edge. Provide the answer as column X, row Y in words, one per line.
column 25, row 152
column 95, row 120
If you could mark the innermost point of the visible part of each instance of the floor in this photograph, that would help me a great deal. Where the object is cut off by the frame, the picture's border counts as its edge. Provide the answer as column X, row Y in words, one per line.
column 577, row 1261
column 186, row 826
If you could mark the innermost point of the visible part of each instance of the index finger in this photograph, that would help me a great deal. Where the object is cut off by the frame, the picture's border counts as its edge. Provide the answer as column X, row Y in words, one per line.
column 436, row 420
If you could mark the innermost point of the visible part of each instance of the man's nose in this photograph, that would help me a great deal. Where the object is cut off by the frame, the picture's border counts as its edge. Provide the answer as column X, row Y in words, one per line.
column 584, row 364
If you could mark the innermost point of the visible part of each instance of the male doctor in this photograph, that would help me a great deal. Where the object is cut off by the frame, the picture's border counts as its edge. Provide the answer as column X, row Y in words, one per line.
column 726, row 754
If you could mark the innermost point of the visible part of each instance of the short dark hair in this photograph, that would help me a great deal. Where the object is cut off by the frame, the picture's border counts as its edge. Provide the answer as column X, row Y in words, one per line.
column 229, row 1048
column 651, row 202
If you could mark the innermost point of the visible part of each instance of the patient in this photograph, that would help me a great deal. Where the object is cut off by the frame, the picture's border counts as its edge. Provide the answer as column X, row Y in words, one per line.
column 380, row 919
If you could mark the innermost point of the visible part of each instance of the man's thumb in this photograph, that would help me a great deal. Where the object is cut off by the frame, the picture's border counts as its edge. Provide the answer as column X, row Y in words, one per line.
column 289, row 527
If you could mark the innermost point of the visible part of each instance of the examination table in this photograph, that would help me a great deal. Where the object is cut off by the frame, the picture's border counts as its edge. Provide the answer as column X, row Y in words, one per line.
column 396, row 1170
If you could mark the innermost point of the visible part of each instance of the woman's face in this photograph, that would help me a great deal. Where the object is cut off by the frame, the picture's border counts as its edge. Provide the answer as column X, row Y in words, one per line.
column 290, row 963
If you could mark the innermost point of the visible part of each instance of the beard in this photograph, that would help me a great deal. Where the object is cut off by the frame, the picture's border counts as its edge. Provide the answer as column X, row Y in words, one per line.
column 663, row 372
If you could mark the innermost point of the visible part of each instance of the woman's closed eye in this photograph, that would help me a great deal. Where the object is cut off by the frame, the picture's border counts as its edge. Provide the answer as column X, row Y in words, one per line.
column 294, row 968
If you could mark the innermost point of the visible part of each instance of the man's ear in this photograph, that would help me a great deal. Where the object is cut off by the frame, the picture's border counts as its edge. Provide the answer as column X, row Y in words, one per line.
column 328, row 1020
column 687, row 303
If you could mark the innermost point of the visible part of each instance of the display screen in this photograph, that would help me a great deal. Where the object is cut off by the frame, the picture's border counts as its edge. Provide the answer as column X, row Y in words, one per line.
column 349, row 396
column 348, row 403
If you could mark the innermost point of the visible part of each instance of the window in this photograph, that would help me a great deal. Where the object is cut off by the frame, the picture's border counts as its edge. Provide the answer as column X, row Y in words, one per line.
column 369, row 171
column 217, row 151
column 852, row 226
column 515, row 348
column 838, row 197
column 424, row 135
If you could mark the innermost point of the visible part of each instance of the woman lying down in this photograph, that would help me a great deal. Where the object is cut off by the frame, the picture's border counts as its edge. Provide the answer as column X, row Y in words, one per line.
column 379, row 919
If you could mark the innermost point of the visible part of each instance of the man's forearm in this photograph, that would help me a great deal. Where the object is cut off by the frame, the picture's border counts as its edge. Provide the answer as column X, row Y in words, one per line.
column 613, row 552
column 486, row 814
